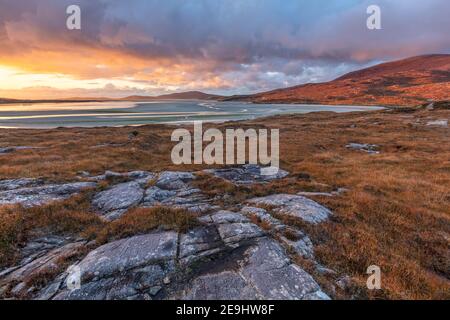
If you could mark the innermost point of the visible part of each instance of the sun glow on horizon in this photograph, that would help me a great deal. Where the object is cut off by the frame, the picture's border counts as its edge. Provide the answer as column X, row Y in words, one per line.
column 16, row 83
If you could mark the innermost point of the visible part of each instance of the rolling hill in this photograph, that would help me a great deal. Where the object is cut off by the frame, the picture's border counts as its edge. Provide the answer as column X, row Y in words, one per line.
column 189, row 95
column 409, row 81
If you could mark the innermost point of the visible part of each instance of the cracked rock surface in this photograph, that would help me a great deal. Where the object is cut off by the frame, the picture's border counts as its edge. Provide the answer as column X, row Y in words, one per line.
column 28, row 196
column 295, row 206
column 227, row 256
column 248, row 174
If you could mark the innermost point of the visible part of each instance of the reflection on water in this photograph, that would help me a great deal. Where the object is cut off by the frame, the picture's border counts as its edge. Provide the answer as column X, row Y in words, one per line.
column 132, row 113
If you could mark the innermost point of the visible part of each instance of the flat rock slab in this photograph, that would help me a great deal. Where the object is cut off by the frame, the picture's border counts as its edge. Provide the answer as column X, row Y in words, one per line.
column 126, row 268
column 186, row 197
column 41, row 245
column 232, row 233
column 300, row 243
column 241, row 262
column 248, row 174
column 130, row 253
column 139, row 176
column 265, row 273
column 13, row 184
column 155, row 195
column 200, row 242
column 225, row 257
column 227, row 285
column 224, row 216
column 34, row 196
column 369, row 148
column 48, row 263
column 121, row 196
column 295, row 206
column 263, row 216
column 275, row 277
column 438, row 123
column 174, row 180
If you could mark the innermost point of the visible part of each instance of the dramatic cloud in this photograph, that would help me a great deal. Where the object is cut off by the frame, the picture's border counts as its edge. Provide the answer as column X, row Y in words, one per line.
column 239, row 46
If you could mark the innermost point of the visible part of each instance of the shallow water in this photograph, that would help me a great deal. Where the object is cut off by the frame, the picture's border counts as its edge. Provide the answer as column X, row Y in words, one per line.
column 99, row 114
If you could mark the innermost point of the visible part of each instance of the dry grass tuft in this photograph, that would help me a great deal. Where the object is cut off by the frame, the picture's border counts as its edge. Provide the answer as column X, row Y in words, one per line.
column 143, row 220
column 66, row 217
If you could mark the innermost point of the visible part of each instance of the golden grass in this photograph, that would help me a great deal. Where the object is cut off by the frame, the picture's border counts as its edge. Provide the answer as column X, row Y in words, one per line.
column 75, row 217
column 12, row 229
column 67, row 217
column 143, row 220
column 395, row 214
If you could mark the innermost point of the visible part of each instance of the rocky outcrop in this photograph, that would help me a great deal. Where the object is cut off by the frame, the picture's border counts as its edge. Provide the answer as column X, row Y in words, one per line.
column 262, row 271
column 295, row 206
column 173, row 189
column 244, row 253
column 113, row 202
column 369, row 148
column 140, row 176
column 170, row 180
column 13, row 184
column 116, row 200
column 247, row 174
column 226, row 258
column 39, row 195
column 127, row 268
column 292, row 238
column 24, row 280
column 198, row 243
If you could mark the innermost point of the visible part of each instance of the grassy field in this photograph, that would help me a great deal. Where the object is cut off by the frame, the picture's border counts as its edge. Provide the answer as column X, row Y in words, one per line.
column 395, row 213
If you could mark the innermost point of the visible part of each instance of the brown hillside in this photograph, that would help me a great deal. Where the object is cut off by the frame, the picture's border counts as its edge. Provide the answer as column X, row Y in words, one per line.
column 405, row 82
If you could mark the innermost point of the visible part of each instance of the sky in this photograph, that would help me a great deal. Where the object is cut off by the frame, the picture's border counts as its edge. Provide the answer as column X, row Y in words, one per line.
column 150, row 47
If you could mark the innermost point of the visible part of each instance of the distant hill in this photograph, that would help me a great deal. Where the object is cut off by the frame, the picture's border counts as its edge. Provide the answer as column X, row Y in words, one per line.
column 410, row 81
column 65, row 100
column 4, row 100
column 189, row 95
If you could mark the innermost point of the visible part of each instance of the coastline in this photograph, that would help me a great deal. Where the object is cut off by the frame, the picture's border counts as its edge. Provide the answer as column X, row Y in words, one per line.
column 124, row 113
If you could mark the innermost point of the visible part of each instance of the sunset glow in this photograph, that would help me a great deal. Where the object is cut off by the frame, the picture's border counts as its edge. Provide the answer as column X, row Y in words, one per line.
column 221, row 47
